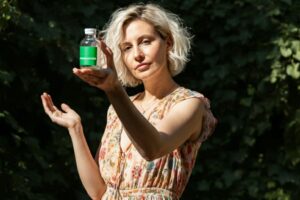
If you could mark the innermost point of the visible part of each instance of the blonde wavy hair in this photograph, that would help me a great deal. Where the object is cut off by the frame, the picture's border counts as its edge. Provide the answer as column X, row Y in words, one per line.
column 167, row 24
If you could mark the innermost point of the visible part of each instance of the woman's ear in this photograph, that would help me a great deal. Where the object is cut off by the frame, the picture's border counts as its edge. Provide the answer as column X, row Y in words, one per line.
column 169, row 42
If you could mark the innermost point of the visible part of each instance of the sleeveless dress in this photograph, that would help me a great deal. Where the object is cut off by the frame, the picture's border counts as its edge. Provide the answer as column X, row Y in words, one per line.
column 129, row 176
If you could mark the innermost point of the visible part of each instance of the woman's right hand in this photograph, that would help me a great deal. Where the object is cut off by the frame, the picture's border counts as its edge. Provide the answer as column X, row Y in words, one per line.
column 105, row 78
column 66, row 117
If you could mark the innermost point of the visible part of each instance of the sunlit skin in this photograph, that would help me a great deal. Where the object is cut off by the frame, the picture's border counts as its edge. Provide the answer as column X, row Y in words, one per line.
column 145, row 54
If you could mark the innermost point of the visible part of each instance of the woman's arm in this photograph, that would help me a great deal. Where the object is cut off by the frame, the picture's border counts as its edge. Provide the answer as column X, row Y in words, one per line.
column 87, row 168
column 183, row 122
column 86, row 165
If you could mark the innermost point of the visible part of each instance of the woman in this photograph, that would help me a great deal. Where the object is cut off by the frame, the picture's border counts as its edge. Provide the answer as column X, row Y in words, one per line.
column 150, row 143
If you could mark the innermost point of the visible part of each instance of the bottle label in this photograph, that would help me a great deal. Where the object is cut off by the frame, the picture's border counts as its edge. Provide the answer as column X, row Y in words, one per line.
column 88, row 56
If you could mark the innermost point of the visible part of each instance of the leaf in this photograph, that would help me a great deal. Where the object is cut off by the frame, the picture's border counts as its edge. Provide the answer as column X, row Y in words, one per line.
column 285, row 52
column 297, row 55
column 295, row 45
column 293, row 70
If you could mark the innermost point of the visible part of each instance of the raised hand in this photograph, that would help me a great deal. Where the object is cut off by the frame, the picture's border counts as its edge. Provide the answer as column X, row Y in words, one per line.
column 66, row 117
column 105, row 78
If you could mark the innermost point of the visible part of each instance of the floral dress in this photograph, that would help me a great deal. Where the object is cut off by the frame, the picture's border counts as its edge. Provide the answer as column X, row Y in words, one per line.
column 129, row 176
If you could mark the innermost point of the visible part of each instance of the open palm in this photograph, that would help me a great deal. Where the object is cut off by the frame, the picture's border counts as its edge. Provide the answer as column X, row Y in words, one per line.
column 66, row 117
column 104, row 78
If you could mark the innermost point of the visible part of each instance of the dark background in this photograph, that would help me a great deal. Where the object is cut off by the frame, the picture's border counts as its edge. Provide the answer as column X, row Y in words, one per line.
column 245, row 59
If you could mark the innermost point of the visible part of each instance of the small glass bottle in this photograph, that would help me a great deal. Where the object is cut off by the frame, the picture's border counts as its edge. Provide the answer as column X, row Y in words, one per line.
column 88, row 48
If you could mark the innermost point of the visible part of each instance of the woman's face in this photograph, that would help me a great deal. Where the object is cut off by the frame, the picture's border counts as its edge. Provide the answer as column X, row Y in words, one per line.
column 144, row 52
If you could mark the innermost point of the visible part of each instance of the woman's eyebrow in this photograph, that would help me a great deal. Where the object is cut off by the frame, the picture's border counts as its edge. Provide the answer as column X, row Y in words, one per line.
column 139, row 38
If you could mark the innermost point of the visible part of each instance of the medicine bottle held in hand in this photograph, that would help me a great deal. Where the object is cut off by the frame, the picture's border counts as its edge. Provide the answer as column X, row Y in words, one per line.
column 88, row 48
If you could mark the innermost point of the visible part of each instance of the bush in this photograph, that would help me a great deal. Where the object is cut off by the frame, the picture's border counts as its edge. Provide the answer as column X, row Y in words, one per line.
column 245, row 59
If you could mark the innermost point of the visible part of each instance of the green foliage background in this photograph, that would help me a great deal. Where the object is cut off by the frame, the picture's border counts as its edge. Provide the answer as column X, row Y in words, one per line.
column 245, row 59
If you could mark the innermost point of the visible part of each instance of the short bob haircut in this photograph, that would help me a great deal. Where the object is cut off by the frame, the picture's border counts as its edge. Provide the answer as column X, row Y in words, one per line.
column 165, row 23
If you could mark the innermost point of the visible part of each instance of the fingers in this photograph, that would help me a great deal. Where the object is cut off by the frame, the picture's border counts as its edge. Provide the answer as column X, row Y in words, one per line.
column 101, row 73
column 108, row 54
column 106, row 50
column 50, row 102
column 69, row 111
column 49, row 108
column 91, row 76
column 47, row 104
column 65, row 117
column 65, row 107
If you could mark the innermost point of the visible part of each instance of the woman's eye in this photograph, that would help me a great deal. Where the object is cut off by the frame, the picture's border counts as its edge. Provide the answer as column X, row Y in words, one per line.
column 146, row 41
column 126, row 48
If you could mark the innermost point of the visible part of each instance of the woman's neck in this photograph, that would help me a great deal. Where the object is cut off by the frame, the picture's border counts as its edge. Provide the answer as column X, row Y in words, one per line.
column 159, row 88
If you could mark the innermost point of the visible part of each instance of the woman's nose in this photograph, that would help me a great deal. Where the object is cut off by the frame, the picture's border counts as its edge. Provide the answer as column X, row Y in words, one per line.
column 138, row 54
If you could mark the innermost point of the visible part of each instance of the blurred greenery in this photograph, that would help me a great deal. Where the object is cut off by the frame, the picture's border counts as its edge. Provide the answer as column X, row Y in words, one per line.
column 245, row 59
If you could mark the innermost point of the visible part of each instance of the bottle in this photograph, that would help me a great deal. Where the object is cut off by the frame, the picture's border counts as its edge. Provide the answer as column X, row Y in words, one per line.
column 88, row 48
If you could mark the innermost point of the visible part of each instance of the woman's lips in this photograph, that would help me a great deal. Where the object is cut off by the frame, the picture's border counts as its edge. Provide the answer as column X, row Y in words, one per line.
column 142, row 66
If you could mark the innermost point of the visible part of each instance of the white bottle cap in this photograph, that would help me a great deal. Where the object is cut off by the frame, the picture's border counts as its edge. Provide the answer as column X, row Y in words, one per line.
column 90, row 31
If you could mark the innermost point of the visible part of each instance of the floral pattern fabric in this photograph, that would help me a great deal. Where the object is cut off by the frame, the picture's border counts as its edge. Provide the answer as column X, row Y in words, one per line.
column 129, row 176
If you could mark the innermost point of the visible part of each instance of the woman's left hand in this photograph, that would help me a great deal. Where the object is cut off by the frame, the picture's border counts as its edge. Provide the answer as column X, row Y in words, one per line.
column 65, row 117
column 105, row 79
